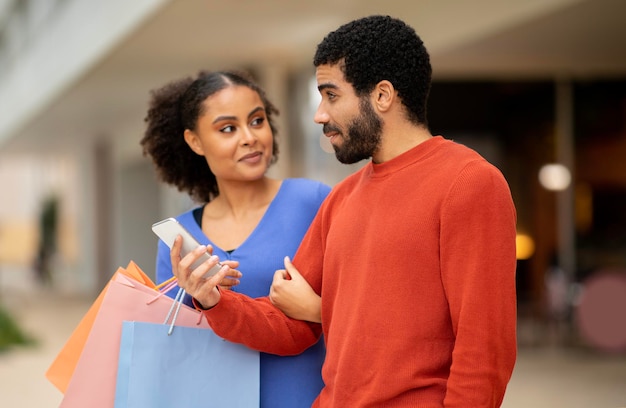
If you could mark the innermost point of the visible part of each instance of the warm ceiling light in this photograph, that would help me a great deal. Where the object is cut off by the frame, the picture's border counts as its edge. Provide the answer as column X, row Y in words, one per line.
column 524, row 246
column 555, row 177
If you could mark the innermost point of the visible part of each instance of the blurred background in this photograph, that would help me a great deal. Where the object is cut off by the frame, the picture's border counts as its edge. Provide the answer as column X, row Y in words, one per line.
column 538, row 87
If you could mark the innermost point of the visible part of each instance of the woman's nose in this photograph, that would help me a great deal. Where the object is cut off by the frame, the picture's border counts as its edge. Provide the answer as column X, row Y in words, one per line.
column 248, row 137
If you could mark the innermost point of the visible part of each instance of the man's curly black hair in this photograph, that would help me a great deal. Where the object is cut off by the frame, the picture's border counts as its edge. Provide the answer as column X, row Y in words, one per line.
column 377, row 48
column 178, row 106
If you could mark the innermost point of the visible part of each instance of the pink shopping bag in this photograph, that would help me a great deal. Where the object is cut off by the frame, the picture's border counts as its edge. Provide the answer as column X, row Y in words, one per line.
column 94, row 380
column 60, row 371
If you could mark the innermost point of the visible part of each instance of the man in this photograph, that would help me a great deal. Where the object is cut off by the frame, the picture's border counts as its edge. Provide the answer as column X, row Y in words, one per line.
column 413, row 255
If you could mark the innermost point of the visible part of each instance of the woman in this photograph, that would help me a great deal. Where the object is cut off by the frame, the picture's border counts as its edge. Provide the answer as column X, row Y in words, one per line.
column 213, row 137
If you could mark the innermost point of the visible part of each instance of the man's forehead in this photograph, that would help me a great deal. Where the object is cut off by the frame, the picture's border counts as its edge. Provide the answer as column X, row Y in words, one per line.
column 330, row 75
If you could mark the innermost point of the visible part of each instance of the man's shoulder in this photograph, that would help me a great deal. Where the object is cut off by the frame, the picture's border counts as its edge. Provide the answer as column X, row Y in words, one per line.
column 462, row 154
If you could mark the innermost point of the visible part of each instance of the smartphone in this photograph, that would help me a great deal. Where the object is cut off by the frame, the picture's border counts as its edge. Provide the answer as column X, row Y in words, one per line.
column 169, row 228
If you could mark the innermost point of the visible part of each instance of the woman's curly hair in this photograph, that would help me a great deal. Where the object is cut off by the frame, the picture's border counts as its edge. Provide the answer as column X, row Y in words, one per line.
column 376, row 48
column 178, row 106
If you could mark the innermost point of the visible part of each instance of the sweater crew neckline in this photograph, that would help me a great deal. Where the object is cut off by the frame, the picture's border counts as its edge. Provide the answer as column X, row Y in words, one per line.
column 405, row 159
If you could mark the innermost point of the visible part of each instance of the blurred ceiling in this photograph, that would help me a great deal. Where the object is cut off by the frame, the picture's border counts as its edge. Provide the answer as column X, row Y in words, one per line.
column 467, row 40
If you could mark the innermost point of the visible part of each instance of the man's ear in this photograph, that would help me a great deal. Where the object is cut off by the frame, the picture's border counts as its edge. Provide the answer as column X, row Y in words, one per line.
column 384, row 95
column 193, row 141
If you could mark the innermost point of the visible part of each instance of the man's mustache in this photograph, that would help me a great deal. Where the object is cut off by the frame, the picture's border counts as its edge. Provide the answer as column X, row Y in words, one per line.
column 326, row 128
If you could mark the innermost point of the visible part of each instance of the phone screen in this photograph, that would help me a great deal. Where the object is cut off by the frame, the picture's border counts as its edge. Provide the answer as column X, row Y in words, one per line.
column 168, row 229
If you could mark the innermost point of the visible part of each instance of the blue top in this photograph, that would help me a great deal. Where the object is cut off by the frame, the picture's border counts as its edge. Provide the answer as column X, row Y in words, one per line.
column 286, row 382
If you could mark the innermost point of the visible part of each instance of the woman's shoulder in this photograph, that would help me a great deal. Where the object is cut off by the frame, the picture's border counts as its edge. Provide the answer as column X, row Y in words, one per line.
column 306, row 188
column 305, row 184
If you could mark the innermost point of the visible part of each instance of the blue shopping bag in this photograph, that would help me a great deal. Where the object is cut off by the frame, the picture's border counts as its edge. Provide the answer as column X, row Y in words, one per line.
column 191, row 367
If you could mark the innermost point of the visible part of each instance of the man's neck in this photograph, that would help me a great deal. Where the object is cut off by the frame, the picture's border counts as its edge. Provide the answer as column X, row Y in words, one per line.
column 399, row 139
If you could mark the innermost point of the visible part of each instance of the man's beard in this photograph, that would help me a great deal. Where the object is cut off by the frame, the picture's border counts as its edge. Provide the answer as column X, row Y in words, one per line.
column 363, row 136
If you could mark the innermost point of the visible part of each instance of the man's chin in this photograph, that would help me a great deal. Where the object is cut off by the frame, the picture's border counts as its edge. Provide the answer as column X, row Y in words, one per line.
column 344, row 158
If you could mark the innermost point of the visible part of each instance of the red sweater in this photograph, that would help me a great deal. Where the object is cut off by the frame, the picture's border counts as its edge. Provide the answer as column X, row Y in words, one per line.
column 415, row 261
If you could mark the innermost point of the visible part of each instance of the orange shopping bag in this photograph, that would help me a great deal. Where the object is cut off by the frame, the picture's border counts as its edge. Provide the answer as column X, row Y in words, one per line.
column 62, row 368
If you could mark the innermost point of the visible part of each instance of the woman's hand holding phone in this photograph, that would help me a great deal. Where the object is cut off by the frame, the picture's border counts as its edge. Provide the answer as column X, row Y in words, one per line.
column 193, row 281
column 188, row 256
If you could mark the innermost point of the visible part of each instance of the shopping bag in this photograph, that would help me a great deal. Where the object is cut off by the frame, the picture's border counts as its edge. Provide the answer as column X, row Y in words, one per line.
column 192, row 367
column 93, row 382
column 62, row 368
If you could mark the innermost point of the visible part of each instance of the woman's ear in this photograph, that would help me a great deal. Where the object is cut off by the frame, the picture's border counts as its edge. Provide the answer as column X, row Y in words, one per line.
column 193, row 141
column 384, row 95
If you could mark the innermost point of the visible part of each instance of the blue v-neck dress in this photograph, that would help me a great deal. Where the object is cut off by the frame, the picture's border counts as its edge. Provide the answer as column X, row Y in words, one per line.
column 286, row 382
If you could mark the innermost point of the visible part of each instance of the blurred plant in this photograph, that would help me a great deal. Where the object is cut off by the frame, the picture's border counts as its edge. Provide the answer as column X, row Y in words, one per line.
column 10, row 333
column 48, row 225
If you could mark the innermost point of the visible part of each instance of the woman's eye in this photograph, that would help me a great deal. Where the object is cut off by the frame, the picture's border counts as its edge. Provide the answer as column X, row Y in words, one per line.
column 257, row 121
column 227, row 129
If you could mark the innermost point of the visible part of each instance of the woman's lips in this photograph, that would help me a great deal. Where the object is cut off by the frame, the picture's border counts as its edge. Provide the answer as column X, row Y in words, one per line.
column 251, row 157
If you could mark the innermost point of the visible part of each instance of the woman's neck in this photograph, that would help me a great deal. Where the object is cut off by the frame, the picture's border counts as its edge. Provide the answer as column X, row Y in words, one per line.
column 236, row 199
